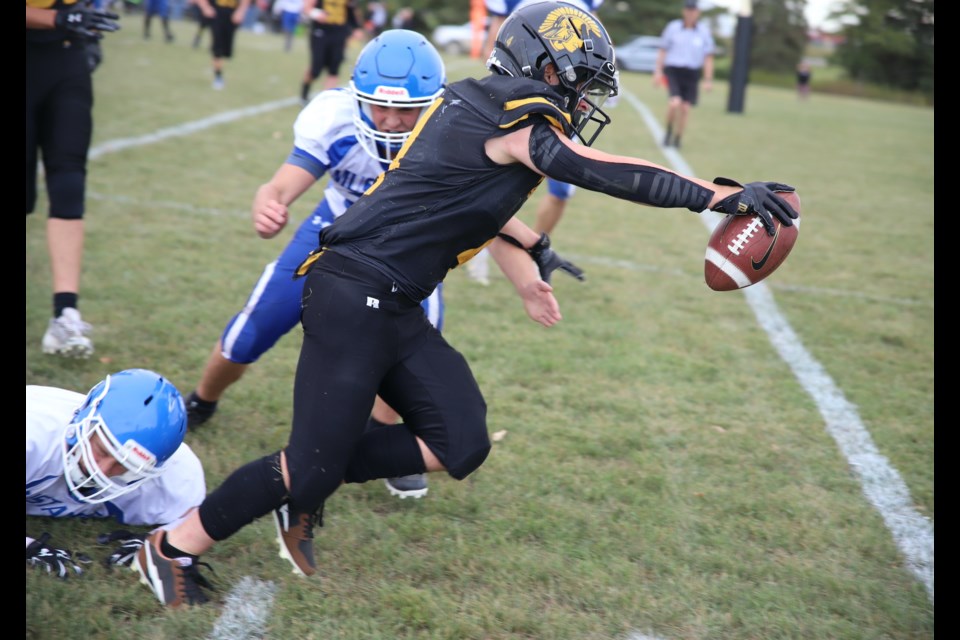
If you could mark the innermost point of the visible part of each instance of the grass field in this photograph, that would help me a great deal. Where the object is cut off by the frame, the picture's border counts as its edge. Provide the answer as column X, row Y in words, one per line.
column 676, row 463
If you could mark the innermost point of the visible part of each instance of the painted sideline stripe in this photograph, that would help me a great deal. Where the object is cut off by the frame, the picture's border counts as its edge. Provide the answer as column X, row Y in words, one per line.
column 245, row 611
column 118, row 144
column 882, row 485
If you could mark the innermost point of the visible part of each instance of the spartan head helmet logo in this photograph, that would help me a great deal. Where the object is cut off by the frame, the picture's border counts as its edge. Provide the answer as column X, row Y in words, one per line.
column 565, row 28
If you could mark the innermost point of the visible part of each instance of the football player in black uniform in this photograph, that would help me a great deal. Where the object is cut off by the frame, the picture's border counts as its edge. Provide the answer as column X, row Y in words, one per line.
column 62, row 52
column 332, row 22
column 473, row 159
column 224, row 18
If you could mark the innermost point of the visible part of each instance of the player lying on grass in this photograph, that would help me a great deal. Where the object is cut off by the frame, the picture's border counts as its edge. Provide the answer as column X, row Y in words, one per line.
column 116, row 452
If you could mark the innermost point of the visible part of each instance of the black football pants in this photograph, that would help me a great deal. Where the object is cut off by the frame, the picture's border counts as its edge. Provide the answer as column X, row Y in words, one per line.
column 360, row 339
column 59, row 105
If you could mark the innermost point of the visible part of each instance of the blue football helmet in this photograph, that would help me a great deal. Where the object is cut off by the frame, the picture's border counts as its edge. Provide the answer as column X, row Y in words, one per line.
column 139, row 418
column 398, row 68
column 578, row 46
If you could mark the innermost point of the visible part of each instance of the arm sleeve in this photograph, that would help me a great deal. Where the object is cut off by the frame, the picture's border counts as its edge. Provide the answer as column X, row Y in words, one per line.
column 637, row 183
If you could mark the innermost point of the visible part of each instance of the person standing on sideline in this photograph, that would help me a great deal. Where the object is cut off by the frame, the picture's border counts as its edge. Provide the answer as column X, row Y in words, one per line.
column 804, row 73
column 332, row 22
column 289, row 12
column 203, row 22
column 226, row 16
column 553, row 203
column 351, row 135
column 455, row 187
column 685, row 57
column 59, row 129
column 116, row 452
column 157, row 8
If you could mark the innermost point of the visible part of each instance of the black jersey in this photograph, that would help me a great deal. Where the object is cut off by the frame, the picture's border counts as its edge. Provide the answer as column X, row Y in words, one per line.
column 340, row 15
column 443, row 199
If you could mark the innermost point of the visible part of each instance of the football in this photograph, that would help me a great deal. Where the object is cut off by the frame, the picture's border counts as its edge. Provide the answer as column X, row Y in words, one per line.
column 741, row 253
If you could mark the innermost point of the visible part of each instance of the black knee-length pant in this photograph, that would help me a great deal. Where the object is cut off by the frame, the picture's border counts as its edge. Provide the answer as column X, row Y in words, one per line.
column 362, row 338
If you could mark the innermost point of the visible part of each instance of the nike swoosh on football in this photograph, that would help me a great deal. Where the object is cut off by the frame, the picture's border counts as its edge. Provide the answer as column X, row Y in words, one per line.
column 766, row 256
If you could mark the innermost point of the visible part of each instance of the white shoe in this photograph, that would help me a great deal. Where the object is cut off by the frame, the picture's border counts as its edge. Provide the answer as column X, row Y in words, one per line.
column 413, row 486
column 67, row 335
column 218, row 84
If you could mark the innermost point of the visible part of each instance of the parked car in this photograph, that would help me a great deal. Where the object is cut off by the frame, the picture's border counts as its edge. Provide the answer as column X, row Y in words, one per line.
column 454, row 38
column 638, row 54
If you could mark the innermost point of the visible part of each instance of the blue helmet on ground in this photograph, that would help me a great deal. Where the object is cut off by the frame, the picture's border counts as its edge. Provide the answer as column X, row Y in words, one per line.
column 398, row 68
column 138, row 417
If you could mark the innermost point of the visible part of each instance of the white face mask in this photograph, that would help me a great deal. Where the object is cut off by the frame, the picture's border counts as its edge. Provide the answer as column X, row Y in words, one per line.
column 382, row 145
column 84, row 477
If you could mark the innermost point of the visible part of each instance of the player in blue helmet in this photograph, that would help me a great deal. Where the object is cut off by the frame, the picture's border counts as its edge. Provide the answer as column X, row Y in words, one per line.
column 351, row 135
column 136, row 417
column 117, row 452
column 399, row 69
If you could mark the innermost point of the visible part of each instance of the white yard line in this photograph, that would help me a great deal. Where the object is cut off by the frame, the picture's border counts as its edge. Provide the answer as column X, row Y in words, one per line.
column 882, row 484
column 245, row 611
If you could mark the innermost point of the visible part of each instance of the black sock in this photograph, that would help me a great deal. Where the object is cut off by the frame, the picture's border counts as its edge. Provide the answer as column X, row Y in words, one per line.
column 200, row 402
column 171, row 551
column 304, row 90
column 62, row 301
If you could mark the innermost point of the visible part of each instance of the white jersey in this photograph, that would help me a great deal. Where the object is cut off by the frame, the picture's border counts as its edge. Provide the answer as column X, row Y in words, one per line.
column 325, row 140
column 290, row 6
column 163, row 500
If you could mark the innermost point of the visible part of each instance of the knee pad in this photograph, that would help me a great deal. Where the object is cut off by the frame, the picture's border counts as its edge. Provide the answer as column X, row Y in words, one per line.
column 66, row 192
column 470, row 463
column 252, row 491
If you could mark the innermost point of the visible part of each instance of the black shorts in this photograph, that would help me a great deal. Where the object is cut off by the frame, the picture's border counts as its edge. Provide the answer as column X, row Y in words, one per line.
column 327, row 49
column 362, row 338
column 223, row 30
column 683, row 82
column 59, row 105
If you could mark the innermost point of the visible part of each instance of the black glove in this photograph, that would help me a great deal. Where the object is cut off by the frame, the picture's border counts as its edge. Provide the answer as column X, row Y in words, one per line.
column 86, row 21
column 758, row 198
column 549, row 260
column 123, row 554
column 546, row 258
column 57, row 561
